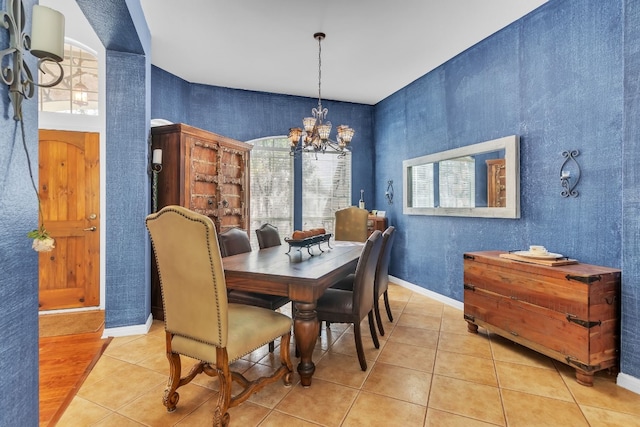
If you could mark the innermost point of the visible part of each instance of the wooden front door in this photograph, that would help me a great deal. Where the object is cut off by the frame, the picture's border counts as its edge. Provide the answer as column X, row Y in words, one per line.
column 69, row 177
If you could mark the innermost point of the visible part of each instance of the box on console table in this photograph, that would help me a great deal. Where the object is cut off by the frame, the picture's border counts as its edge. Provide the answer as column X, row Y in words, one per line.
column 570, row 313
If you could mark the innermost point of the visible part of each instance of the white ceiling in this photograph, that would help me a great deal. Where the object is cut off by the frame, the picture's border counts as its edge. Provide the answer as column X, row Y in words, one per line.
column 372, row 48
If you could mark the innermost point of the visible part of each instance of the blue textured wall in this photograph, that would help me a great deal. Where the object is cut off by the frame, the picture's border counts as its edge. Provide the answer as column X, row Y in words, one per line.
column 557, row 79
column 247, row 115
column 169, row 96
column 631, row 193
column 121, row 27
column 117, row 23
column 18, row 262
column 128, row 195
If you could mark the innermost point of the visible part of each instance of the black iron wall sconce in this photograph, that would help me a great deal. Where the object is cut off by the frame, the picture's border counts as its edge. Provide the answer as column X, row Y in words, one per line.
column 154, row 168
column 389, row 193
column 46, row 43
column 569, row 173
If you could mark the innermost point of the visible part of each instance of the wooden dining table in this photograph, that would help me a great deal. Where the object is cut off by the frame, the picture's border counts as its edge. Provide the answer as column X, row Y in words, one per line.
column 300, row 275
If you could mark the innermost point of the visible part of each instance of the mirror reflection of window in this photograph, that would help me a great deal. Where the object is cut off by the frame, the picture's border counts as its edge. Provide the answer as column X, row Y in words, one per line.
column 457, row 187
column 422, row 186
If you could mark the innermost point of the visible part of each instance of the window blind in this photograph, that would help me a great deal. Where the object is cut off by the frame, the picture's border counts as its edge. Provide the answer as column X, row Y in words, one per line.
column 326, row 187
column 271, row 186
column 457, row 183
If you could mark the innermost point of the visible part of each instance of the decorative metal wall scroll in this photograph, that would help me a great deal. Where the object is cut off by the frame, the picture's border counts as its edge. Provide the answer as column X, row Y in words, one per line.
column 389, row 193
column 569, row 181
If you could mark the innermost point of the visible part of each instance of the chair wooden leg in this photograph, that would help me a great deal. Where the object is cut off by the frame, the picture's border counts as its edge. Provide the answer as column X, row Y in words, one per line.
column 221, row 415
column 359, row 349
column 387, row 306
column 271, row 347
column 372, row 328
column 376, row 309
column 171, row 397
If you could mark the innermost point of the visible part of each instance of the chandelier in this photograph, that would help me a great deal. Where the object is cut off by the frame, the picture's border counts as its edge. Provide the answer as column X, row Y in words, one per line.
column 314, row 136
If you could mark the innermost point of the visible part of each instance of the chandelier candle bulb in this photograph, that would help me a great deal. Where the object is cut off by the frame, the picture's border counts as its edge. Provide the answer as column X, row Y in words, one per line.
column 309, row 123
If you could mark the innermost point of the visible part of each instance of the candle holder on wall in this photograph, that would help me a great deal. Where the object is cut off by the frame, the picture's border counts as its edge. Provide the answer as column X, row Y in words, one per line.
column 389, row 193
column 154, row 168
column 569, row 173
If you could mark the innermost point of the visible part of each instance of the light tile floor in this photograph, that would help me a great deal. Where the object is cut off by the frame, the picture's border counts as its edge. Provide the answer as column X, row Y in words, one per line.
column 429, row 371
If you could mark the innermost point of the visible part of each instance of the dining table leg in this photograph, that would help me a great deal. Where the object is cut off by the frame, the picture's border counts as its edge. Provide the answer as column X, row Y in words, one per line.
column 305, row 329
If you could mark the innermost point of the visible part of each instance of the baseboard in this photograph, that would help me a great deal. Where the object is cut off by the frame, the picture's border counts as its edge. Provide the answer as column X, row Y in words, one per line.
column 426, row 292
column 628, row 382
column 125, row 331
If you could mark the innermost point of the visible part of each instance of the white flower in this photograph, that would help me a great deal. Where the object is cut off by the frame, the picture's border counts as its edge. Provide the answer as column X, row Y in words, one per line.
column 43, row 245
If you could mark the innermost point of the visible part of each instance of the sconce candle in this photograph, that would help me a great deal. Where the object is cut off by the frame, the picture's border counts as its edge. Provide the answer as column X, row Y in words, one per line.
column 565, row 175
column 157, row 157
column 47, row 34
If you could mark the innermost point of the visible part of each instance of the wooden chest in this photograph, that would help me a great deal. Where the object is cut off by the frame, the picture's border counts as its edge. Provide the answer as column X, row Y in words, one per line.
column 570, row 313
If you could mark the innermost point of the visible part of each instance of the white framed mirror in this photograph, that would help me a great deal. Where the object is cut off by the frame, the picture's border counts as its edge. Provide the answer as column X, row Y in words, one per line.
column 478, row 180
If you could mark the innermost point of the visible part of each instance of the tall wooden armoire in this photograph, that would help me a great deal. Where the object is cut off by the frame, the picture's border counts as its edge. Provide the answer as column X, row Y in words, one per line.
column 205, row 172
column 496, row 183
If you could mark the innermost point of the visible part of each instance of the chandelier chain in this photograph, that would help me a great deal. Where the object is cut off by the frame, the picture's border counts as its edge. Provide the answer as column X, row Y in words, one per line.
column 319, row 73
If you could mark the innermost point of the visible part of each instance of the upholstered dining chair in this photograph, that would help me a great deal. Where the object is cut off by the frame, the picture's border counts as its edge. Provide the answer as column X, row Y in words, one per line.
column 351, row 306
column 268, row 236
column 381, row 284
column 199, row 321
column 236, row 241
column 351, row 224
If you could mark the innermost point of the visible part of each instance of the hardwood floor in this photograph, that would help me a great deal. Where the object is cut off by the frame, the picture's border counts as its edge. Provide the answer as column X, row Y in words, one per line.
column 65, row 362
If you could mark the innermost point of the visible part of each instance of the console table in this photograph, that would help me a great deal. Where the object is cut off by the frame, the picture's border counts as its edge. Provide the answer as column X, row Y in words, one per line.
column 376, row 223
column 570, row 313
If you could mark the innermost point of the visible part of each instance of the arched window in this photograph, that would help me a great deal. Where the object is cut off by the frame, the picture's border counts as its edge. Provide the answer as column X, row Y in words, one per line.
column 326, row 187
column 77, row 93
